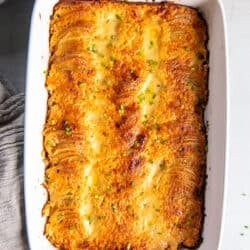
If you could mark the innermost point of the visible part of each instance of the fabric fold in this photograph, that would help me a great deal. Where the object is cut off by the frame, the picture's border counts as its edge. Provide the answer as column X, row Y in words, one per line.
column 12, row 231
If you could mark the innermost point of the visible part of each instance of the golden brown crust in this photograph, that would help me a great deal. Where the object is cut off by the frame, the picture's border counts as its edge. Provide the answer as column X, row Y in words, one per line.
column 124, row 137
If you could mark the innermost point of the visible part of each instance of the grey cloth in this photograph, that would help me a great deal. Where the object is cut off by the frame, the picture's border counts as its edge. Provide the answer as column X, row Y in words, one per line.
column 12, row 231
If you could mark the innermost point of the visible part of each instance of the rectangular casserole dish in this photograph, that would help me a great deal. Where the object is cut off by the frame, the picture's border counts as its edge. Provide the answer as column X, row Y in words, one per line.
column 36, row 107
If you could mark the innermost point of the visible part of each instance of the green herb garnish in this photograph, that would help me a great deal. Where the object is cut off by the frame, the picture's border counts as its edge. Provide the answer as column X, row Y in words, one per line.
column 121, row 109
column 145, row 122
column 59, row 216
column 109, row 46
column 113, row 59
column 191, row 84
column 51, row 143
column 151, row 62
column 118, row 17
column 67, row 131
column 136, row 144
column 81, row 84
column 162, row 165
column 151, row 44
column 114, row 207
column 156, row 126
column 90, row 220
column 93, row 48
column 141, row 98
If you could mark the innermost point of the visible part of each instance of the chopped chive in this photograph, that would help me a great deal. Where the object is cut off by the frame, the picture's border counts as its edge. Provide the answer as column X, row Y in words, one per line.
column 109, row 46
column 121, row 109
column 136, row 144
column 163, row 142
column 244, row 194
column 186, row 48
column 141, row 98
column 246, row 227
column 124, row 174
column 114, row 207
column 241, row 234
column 45, row 72
column 113, row 59
column 101, row 217
column 145, row 123
column 59, row 216
column 157, row 210
column 109, row 190
column 67, row 131
column 51, row 143
column 53, row 122
column 130, row 151
column 118, row 17
column 151, row 62
column 162, row 165
column 151, row 161
column 93, row 48
column 206, row 148
column 191, row 84
column 90, row 220
column 112, row 37
column 108, row 174
column 71, row 228
column 104, row 65
column 151, row 44
column 156, row 126
column 81, row 84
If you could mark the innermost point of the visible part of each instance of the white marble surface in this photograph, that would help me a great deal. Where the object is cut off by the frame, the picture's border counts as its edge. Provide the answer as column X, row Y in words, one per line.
column 14, row 16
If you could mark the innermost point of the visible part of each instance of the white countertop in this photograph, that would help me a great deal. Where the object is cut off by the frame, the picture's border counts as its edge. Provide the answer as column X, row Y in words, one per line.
column 236, row 233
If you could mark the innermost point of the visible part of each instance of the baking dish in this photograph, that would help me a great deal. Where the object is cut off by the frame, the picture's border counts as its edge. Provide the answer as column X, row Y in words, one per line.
column 36, row 107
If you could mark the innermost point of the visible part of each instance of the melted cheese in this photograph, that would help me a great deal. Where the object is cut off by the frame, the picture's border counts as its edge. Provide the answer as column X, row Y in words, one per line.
column 124, row 136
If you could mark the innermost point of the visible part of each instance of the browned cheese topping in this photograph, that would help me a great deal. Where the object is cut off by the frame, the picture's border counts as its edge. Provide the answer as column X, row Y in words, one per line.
column 124, row 138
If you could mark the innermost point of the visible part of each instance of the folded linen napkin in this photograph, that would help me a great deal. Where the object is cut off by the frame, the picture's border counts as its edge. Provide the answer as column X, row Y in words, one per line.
column 12, row 231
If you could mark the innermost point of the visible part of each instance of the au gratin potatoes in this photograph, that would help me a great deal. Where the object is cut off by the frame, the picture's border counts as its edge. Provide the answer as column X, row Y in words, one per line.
column 124, row 139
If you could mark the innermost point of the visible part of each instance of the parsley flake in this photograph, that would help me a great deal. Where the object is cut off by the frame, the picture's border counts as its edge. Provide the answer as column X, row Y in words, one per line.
column 156, row 126
column 191, row 84
column 121, row 109
column 162, row 165
column 67, row 131
column 118, row 17
column 114, row 207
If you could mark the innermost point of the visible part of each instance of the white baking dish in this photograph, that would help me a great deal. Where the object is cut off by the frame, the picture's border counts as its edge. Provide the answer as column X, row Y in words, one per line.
column 36, row 105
